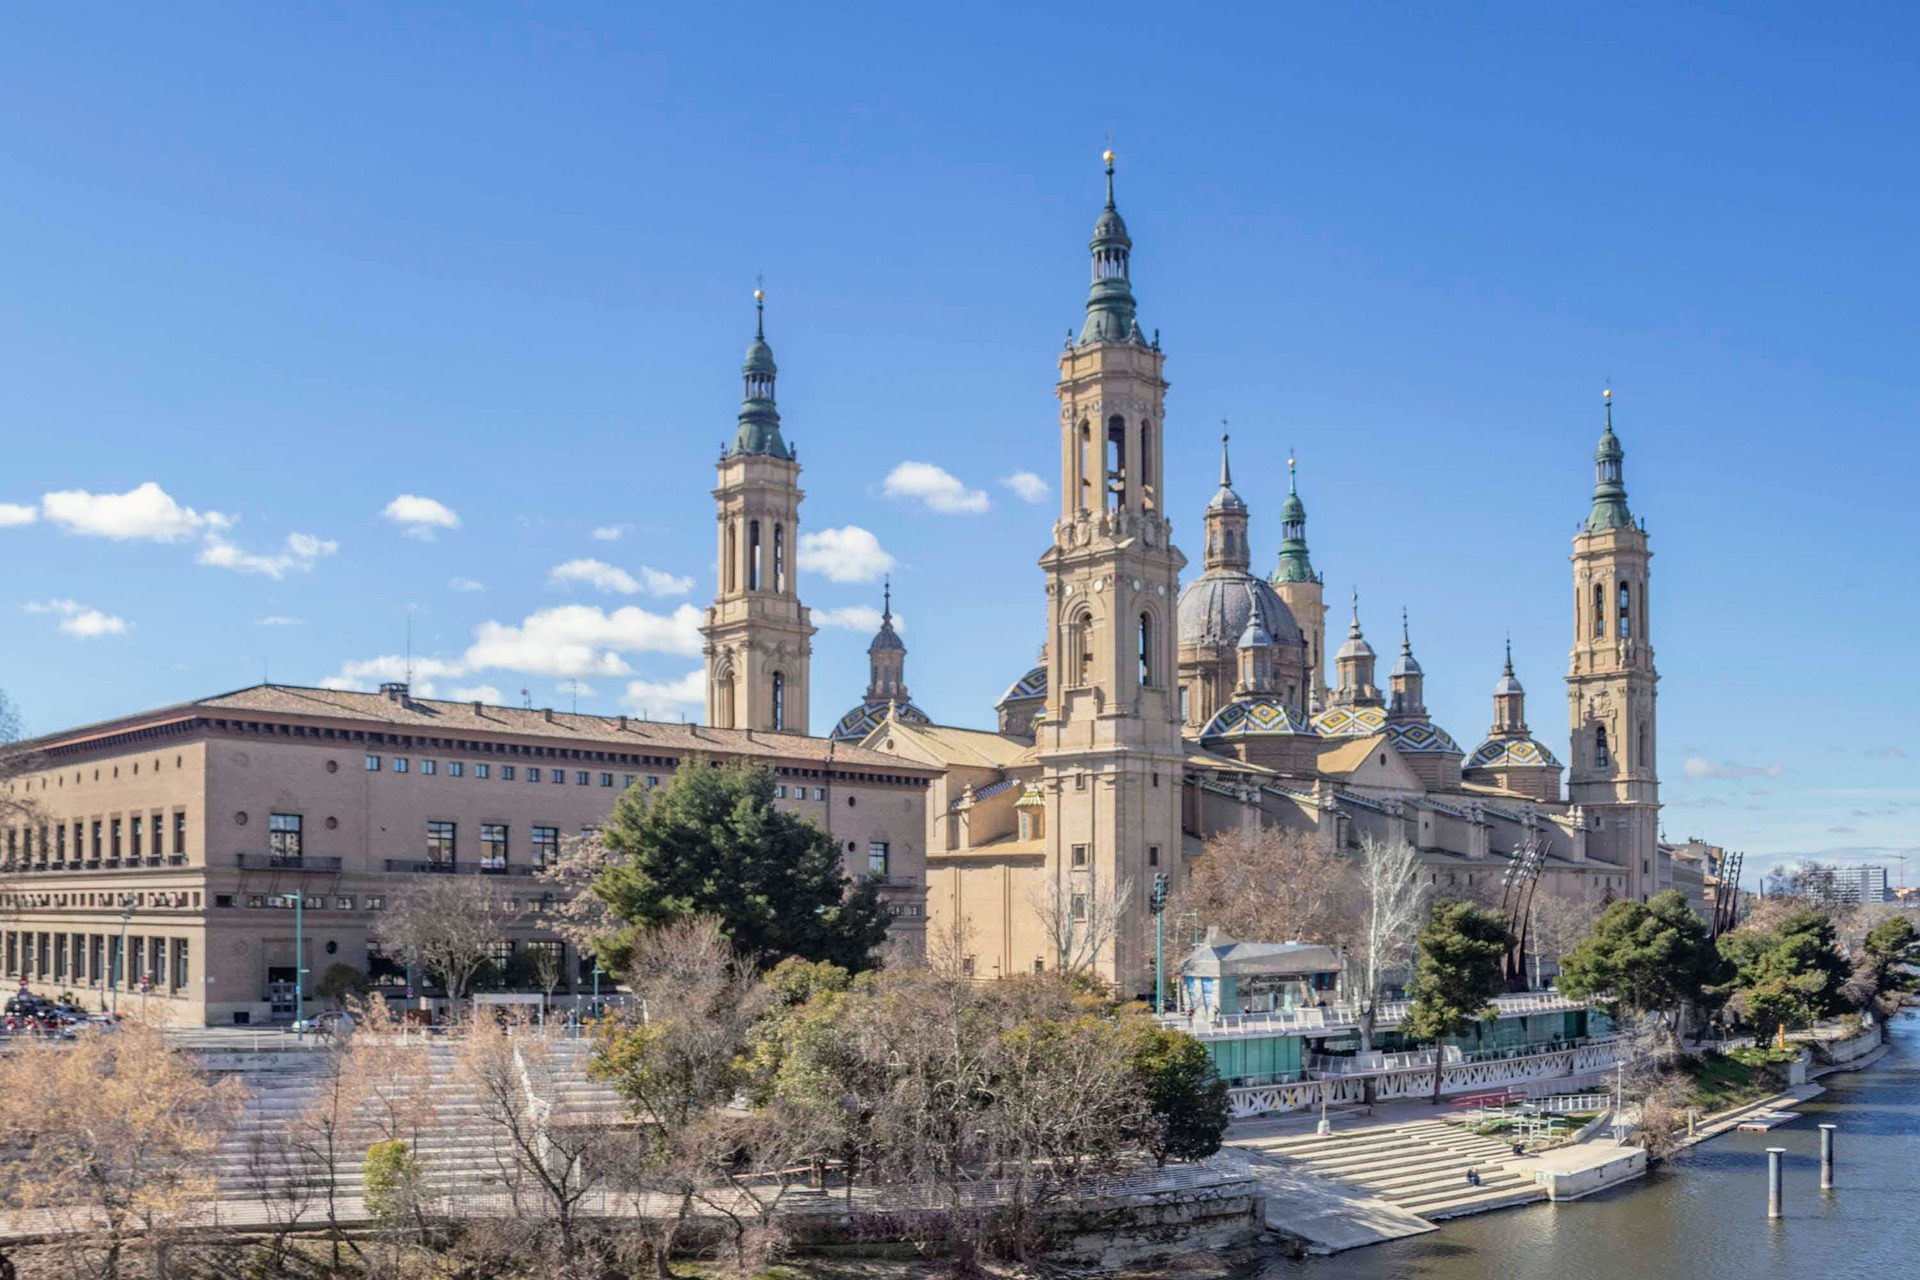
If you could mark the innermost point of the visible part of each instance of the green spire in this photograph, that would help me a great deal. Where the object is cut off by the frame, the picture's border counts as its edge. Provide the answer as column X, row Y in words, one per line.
column 1295, row 564
column 1110, row 315
column 1609, row 492
column 759, row 431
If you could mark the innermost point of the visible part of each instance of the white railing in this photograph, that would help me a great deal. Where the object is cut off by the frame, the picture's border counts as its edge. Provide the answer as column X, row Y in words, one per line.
column 1342, row 1017
column 1417, row 1082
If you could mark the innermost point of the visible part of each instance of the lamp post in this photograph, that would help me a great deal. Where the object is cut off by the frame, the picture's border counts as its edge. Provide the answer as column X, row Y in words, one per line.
column 1157, row 903
column 597, row 971
column 120, row 957
column 299, row 991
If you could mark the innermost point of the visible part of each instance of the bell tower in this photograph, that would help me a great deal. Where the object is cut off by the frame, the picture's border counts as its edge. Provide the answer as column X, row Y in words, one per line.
column 1109, row 739
column 1610, row 680
column 1302, row 589
column 759, row 639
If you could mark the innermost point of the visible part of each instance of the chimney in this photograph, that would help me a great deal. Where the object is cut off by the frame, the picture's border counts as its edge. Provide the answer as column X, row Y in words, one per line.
column 476, row 706
column 547, row 715
column 623, row 724
column 395, row 690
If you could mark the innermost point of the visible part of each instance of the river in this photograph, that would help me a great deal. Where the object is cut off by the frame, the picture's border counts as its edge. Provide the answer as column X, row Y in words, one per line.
column 1704, row 1214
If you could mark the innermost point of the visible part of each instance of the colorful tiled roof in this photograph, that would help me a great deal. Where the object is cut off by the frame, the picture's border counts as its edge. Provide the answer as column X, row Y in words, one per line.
column 1350, row 722
column 1262, row 716
column 1031, row 685
column 1508, row 753
column 1421, row 737
column 870, row 715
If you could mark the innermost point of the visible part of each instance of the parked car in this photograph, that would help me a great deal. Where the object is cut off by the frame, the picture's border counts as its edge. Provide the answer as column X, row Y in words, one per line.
column 334, row 1022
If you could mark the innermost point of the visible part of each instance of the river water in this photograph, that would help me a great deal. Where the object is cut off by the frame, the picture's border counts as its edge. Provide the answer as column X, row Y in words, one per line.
column 1704, row 1214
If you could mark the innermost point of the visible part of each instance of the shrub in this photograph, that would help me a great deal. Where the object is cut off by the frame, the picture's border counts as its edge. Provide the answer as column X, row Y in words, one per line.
column 393, row 1177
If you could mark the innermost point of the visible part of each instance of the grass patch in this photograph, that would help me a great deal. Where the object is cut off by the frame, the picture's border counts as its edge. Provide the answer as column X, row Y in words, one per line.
column 1721, row 1081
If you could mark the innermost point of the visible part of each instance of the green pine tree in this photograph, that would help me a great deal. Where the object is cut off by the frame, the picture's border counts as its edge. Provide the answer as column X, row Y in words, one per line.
column 1457, row 973
column 1654, row 957
column 712, row 843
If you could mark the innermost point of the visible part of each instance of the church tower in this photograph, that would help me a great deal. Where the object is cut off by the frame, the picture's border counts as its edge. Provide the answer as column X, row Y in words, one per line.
column 759, row 639
column 1611, row 679
column 1301, row 588
column 1109, row 739
column 1354, row 663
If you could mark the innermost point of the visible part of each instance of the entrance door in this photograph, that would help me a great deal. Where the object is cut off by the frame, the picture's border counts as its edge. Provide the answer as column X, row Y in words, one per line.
column 280, row 992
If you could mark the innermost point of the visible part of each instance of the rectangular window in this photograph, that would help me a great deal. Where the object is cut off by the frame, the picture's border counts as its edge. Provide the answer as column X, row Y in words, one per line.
column 428, row 767
column 113, row 848
column 652, row 781
column 582, row 778
column 133, row 837
column 96, row 840
column 455, row 769
column 966, row 966
column 482, row 771
column 343, row 903
column 506, row 773
column 493, row 846
column 546, row 845
column 819, row 793
column 376, row 902
column 533, row 773
column 606, row 779
column 180, row 835
column 284, row 836
column 179, row 974
column 1079, row 855
column 877, row 858
column 60, row 844
column 399, row 764
column 1153, row 855
column 631, row 779
column 373, row 764
column 1079, row 782
column 440, row 843
column 1079, row 906
column 779, row 791
column 223, row 900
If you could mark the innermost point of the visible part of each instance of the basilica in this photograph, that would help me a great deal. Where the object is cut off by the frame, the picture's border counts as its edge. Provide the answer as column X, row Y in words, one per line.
column 1163, row 712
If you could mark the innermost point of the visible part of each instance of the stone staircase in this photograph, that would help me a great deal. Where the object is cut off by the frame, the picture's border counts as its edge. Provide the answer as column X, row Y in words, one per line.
column 460, row 1150
column 1420, row 1167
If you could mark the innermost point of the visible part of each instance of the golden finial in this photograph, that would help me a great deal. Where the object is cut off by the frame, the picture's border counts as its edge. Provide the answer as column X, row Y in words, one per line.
column 1107, row 155
column 759, row 295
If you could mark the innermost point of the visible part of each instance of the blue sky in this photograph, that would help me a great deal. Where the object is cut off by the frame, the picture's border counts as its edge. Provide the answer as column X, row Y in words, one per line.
column 290, row 264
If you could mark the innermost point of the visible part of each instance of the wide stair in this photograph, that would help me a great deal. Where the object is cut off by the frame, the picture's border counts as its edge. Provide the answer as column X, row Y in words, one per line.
column 1420, row 1167
column 461, row 1151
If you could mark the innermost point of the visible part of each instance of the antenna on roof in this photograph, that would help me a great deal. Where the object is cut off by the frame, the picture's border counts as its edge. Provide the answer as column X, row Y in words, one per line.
column 526, row 700
column 409, row 646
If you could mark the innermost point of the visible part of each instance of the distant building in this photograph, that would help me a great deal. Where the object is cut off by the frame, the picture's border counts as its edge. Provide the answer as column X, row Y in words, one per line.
column 1862, row 884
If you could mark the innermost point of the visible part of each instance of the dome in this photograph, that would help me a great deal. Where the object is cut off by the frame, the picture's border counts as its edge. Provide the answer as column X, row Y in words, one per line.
column 1031, row 685
column 1510, row 753
column 1405, row 664
column 759, row 358
column 1508, row 684
column 1350, row 722
column 1111, row 227
column 1216, row 607
column 1260, row 716
column 1255, row 636
column 871, row 714
column 1355, row 647
column 1226, row 500
column 1421, row 737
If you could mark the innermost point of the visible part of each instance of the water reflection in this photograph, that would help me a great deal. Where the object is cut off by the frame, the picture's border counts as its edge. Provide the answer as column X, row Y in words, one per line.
column 1705, row 1214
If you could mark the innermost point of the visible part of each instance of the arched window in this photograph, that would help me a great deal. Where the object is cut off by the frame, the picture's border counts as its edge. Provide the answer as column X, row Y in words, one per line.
column 1626, row 611
column 1186, row 703
column 1149, row 466
column 779, row 700
column 779, row 558
column 1085, row 466
column 1082, row 651
column 1116, row 462
column 732, row 569
column 1226, row 542
column 1641, row 761
column 1599, row 610
column 1600, row 756
column 753, row 555
column 1146, row 650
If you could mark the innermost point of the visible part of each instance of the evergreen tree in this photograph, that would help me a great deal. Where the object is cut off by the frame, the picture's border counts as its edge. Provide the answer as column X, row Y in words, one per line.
column 1653, row 957
column 1457, row 974
column 1791, row 973
column 1188, row 1105
column 712, row 843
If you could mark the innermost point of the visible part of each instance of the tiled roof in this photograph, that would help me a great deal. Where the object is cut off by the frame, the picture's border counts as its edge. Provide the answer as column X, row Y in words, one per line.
column 428, row 716
column 977, row 747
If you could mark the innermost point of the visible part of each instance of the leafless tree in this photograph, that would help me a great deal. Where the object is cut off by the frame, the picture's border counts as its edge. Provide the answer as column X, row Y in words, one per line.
column 18, row 807
column 568, row 904
column 1559, row 923
column 1391, row 903
column 447, row 925
column 549, row 967
column 1270, row 885
column 1080, row 917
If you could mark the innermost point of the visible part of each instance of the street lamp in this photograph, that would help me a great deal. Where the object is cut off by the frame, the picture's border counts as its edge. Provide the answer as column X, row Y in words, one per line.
column 299, row 992
column 1157, row 903
column 120, row 957
column 597, row 971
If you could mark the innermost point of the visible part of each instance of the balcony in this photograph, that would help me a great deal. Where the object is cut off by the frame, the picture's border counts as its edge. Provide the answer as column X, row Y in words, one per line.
column 415, row 866
column 285, row 862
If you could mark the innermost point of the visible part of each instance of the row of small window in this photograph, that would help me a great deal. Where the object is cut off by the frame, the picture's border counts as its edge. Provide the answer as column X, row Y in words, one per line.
column 286, row 838
column 783, row 792
column 95, row 959
column 508, row 772
column 1080, row 855
column 112, row 838
column 156, row 898
column 311, row 902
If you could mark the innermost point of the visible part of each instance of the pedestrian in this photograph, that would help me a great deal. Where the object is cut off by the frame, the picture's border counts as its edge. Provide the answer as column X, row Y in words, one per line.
column 1473, row 1177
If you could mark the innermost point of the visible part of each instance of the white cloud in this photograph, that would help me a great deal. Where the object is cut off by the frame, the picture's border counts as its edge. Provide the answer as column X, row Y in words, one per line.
column 612, row 532
column 467, row 584
column 302, row 552
column 79, row 621
column 146, row 513
column 581, row 640
column 937, row 489
column 855, row 617
column 420, row 517
column 848, row 554
column 280, row 620
column 612, row 579
column 1026, row 486
column 12, row 513
column 1697, row 769
column 650, row 696
column 477, row 693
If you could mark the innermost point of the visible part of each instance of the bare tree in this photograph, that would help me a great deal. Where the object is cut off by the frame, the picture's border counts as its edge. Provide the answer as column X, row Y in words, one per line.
column 568, row 904
column 1270, row 885
column 18, row 808
column 447, row 925
column 1559, row 922
column 1079, row 920
column 1390, row 906
column 113, row 1136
